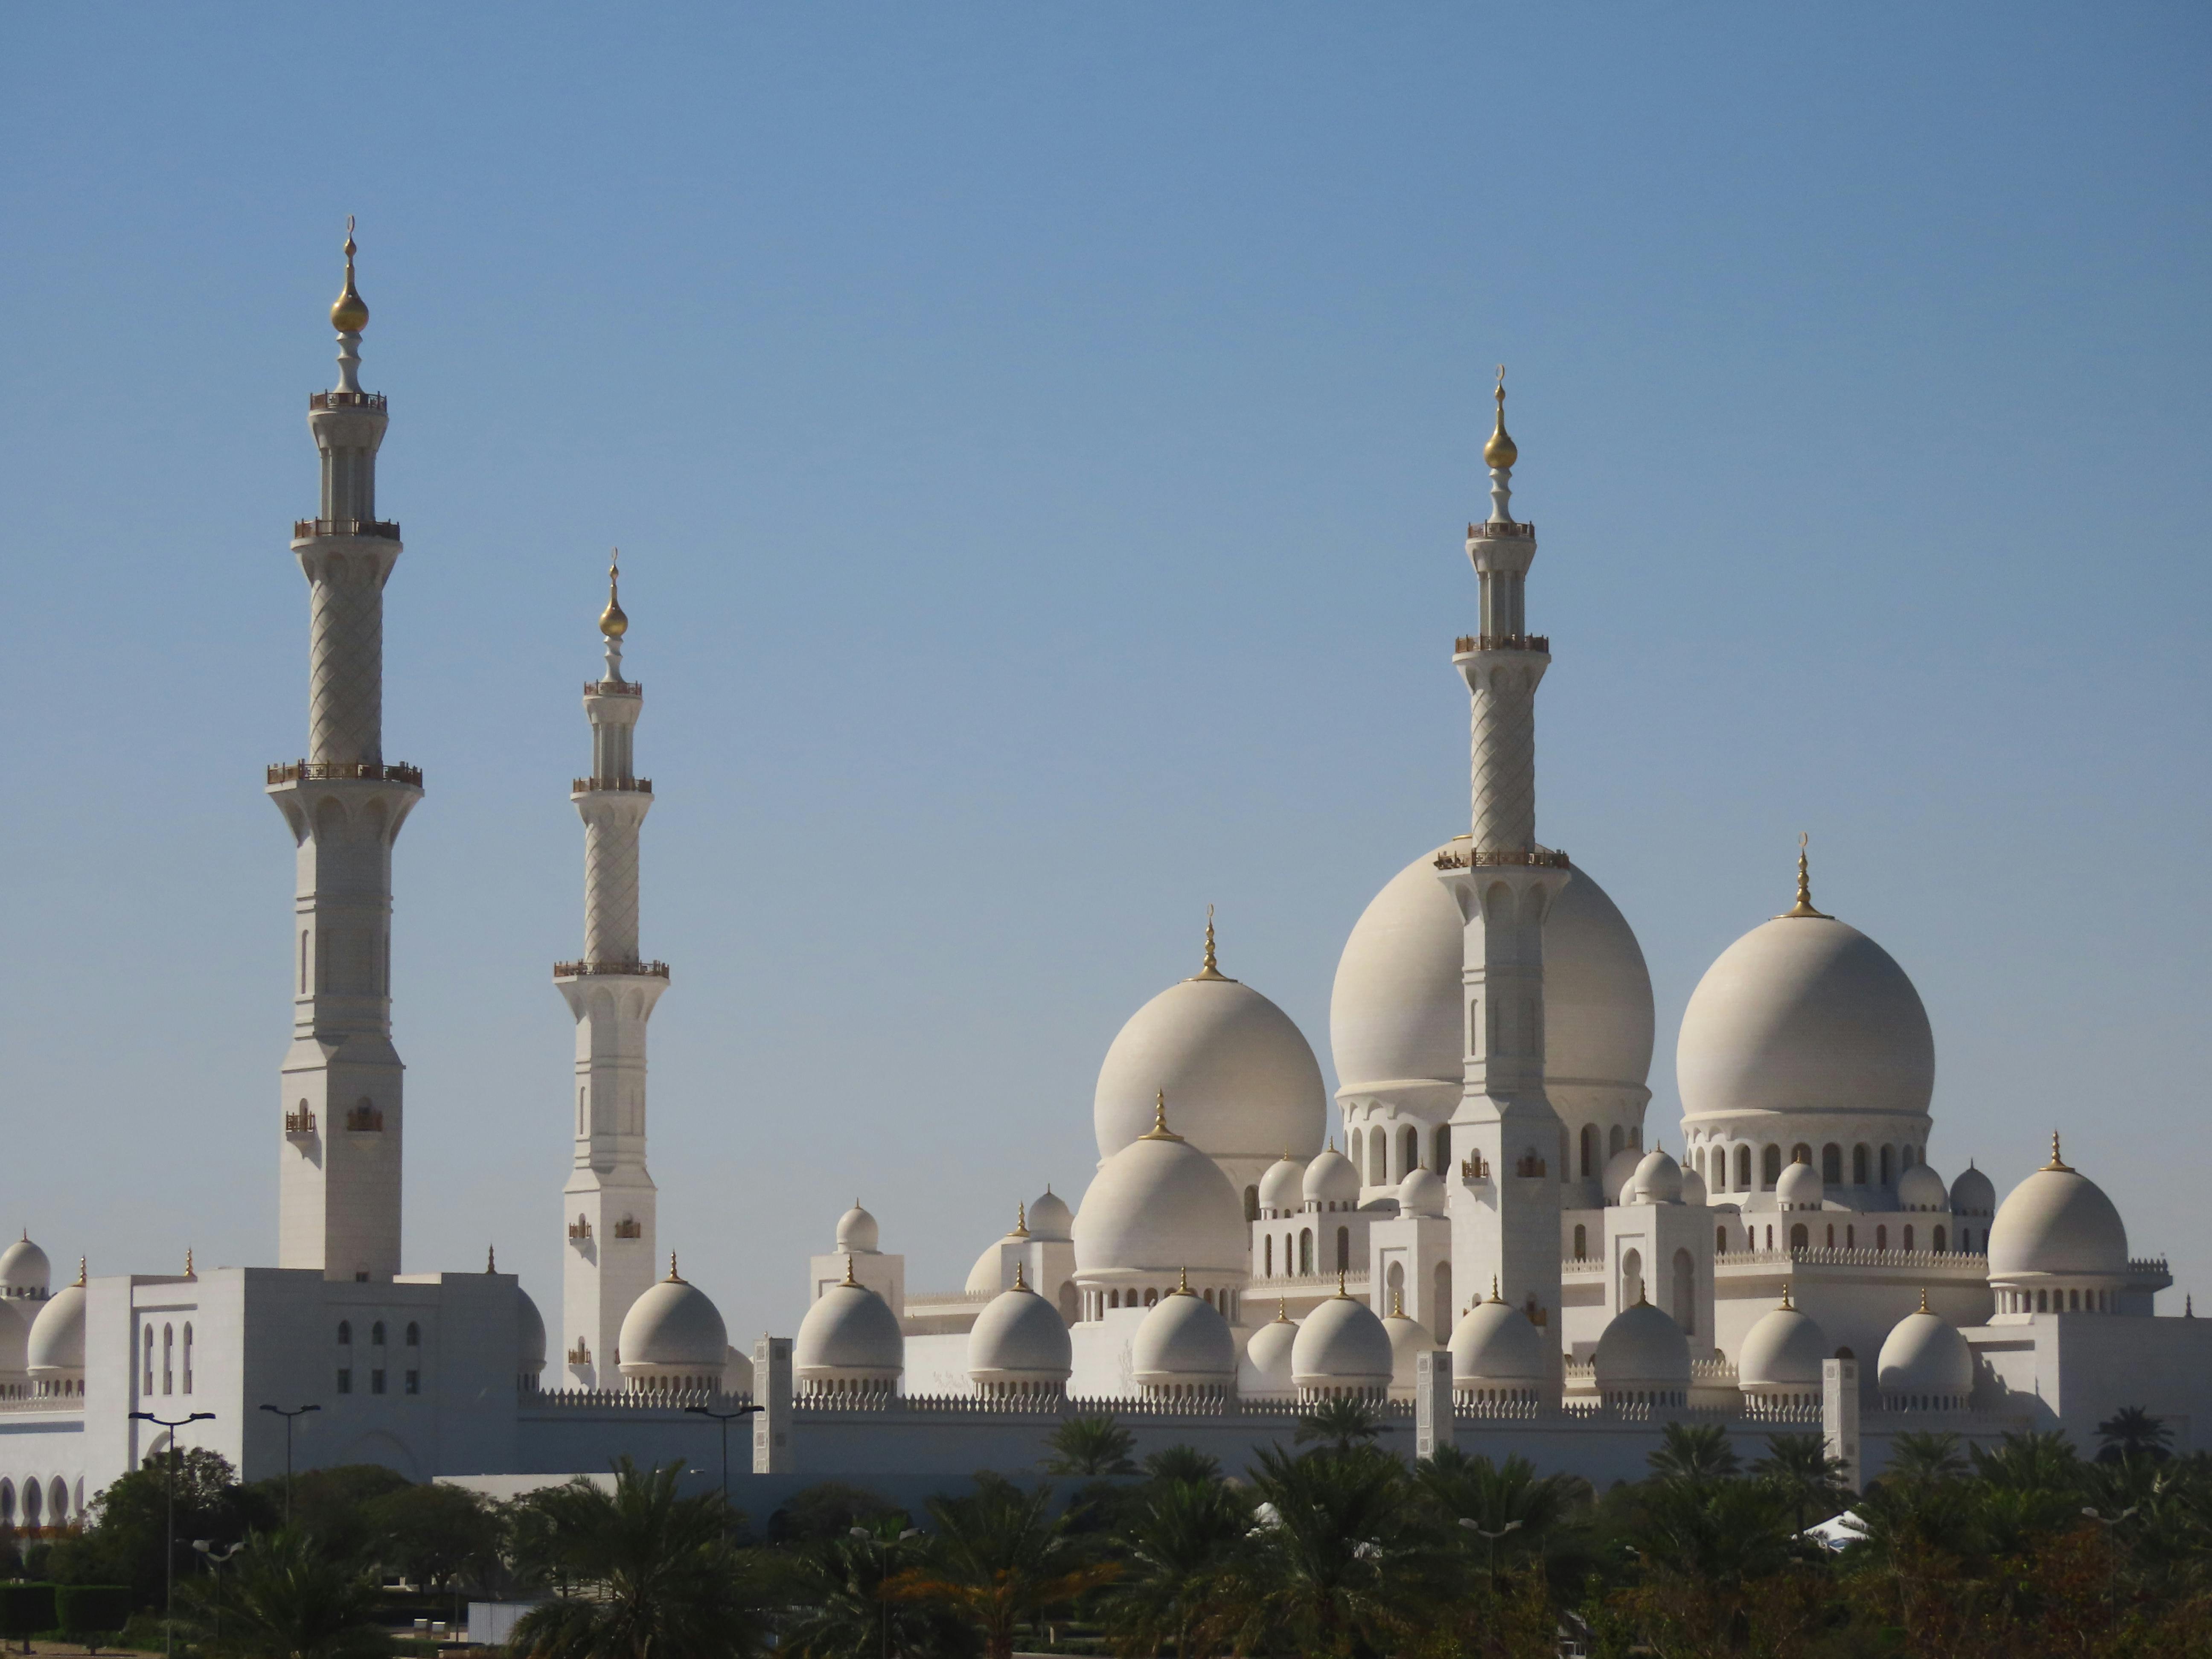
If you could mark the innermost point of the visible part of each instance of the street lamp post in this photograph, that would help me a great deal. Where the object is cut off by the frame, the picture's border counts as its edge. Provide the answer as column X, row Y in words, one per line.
column 2112, row 1566
column 725, row 1419
column 1491, row 1538
column 169, row 1533
column 216, row 1557
column 888, row 1545
column 301, row 1411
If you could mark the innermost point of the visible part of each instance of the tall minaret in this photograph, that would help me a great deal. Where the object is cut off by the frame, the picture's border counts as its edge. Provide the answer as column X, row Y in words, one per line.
column 339, row 1194
column 609, row 1197
column 1505, row 1202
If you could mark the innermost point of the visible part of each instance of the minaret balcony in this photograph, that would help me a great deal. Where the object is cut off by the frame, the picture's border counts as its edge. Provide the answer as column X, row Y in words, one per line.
column 624, row 786
column 345, row 400
column 309, row 529
column 307, row 771
column 1542, row 858
column 299, row 1125
column 614, row 688
column 1506, row 531
column 1468, row 643
column 614, row 970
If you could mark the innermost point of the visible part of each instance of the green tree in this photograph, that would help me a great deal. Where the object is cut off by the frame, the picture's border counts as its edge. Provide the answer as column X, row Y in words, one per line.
column 2131, row 1431
column 647, row 1574
column 1798, row 1466
column 123, row 1540
column 435, row 1535
column 1340, row 1561
column 285, row 1598
column 834, row 1587
column 332, row 1506
column 1697, row 1451
column 1089, row 1446
column 999, row 1557
column 1516, row 1512
column 1185, row 1544
column 1182, row 1463
column 1343, row 1423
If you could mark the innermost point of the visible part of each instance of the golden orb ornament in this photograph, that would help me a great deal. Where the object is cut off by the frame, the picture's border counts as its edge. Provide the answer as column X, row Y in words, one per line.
column 613, row 622
column 1500, row 452
column 349, row 311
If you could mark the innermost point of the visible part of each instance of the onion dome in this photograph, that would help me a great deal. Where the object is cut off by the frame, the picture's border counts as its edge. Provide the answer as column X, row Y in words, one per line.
column 1619, row 1171
column 1265, row 1371
column 1925, row 1365
column 24, row 1271
column 1341, row 1349
column 849, row 1343
column 1019, row 1345
column 1657, row 1180
column 1242, row 1076
column 1496, row 1354
column 1282, row 1190
column 1331, row 1182
column 1805, row 1013
column 1421, row 1193
column 1799, row 1188
column 348, row 315
column 54, row 1353
column 1050, row 1220
column 2057, row 1221
column 1160, row 1205
column 1783, row 1352
column 614, row 621
column 1921, row 1188
column 672, row 1338
column 529, row 1337
column 1693, row 1186
column 857, row 1232
column 1973, row 1193
column 1183, row 1348
column 1409, row 1339
column 1642, row 1359
column 1397, row 1014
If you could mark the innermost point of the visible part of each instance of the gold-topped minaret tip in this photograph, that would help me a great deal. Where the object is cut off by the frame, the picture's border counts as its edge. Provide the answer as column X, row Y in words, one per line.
column 2056, row 1162
column 1804, row 905
column 1209, row 968
column 1500, row 452
column 1021, row 1222
column 349, row 313
column 612, row 621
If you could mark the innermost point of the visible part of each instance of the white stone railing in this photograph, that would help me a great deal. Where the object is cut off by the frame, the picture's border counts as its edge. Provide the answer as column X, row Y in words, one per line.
column 630, row 1400
column 57, row 1402
column 1353, row 1281
column 949, row 1298
column 1818, row 1256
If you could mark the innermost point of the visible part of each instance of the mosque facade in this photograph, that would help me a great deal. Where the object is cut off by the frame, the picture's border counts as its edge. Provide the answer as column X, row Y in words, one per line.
column 1473, row 1234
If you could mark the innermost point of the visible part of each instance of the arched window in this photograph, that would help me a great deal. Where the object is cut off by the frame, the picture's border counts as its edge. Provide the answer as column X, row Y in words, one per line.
column 58, row 1502
column 1152, row 1298
column 1582, row 1238
column 169, row 1359
column 414, row 1335
column 1858, row 1166
column 1770, row 1166
column 2074, row 1298
column 1378, row 1158
column 1355, row 1149
column 1831, row 1165
column 345, row 1333
column 1344, row 1249
column 1251, row 1203
column 1743, row 1169
column 1720, row 1240
column 1797, row 1238
column 6, row 1503
column 188, row 1357
column 1908, row 1237
column 1889, row 1165
column 1632, row 1278
column 1113, row 1298
column 1685, row 1293
column 1267, row 1256
column 1305, row 1250
column 146, row 1382
column 376, row 1334
column 34, row 1501
column 1832, row 1235
column 1409, row 1151
column 1442, row 1140
column 1616, row 1140
column 1770, row 1238
column 1881, row 1238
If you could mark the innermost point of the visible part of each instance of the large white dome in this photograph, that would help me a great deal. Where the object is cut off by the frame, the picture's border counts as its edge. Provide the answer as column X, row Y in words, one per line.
column 2058, row 1221
column 529, row 1334
column 1020, row 1342
column 674, row 1327
column 1494, row 1346
column 1161, row 1206
column 1341, row 1345
column 1240, row 1078
column 1805, row 1014
column 1642, row 1349
column 849, row 1336
column 1784, row 1350
column 857, row 1231
column 1925, row 1365
column 1049, row 1217
column 1265, row 1373
column 1395, row 1013
column 1183, row 1342
column 55, row 1351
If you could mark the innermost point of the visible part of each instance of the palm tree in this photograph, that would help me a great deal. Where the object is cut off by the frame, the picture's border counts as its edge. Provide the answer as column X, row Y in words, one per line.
column 2030, row 1463
column 838, row 1586
column 1339, row 1563
column 1343, row 1423
column 653, row 1574
column 1185, row 1544
column 999, row 1557
column 1508, row 1506
column 1799, row 1468
column 1182, row 1463
column 1921, row 1459
column 287, row 1599
column 1090, row 1447
column 1694, row 1452
column 2132, row 1432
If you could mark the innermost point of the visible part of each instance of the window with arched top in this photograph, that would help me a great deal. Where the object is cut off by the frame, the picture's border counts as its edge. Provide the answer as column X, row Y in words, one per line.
column 1152, row 1298
column 1800, row 1153
column 1409, row 1151
column 1305, row 1250
column 376, row 1334
column 1616, row 1140
column 1441, row 1142
column 1251, row 1204
column 1582, row 1238
column 1881, row 1238
column 1743, row 1169
column 1770, row 1165
column 1908, row 1237
column 6, row 1503
column 345, row 1333
column 1355, row 1148
column 1720, row 1240
column 1344, row 1249
column 169, row 1359
column 1798, row 1240
column 1940, row 1243
column 1685, row 1293
column 146, row 1382
column 1378, row 1158
column 1267, row 1256
column 414, row 1335
column 188, row 1357
column 1889, row 1165
column 1831, row 1165
column 1588, row 1151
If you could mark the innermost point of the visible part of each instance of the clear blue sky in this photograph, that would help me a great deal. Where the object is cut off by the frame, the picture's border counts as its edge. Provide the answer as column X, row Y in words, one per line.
column 1040, row 438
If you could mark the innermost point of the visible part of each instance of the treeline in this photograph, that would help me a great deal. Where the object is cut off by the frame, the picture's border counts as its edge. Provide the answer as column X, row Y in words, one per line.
column 1330, row 1547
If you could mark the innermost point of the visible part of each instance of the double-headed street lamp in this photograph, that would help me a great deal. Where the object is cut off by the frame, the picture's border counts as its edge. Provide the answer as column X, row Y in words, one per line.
column 725, row 1419
column 888, row 1545
column 169, row 1533
column 1491, row 1538
column 298, row 1411
column 216, row 1557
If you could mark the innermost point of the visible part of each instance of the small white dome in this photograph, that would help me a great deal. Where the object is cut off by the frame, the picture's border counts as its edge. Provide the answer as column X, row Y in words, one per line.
column 736, row 1372
column 1657, row 1180
column 15, row 1318
column 1620, row 1171
column 1282, row 1190
column 1265, row 1373
column 55, row 1351
column 1020, row 1339
column 1642, row 1349
column 1693, row 1186
column 1805, row 1014
column 1331, row 1180
column 1341, row 1345
column 529, row 1334
column 1409, row 1340
column 1973, row 1193
column 1240, row 1077
column 2058, row 1221
column 849, row 1336
column 1799, row 1188
column 1924, row 1360
column 24, row 1270
column 1494, row 1345
column 1921, row 1188
column 1784, row 1350
column 1182, row 1340
column 988, row 1277
column 857, row 1232
column 674, row 1328
column 1160, row 1205
column 1050, row 1219
column 1421, row 1193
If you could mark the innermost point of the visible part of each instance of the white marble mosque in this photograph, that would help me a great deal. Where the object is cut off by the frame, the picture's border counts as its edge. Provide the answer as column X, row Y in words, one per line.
column 1479, row 1233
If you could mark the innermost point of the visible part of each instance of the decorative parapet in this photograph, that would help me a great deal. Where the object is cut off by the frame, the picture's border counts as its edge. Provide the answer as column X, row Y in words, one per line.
column 614, row 688
column 1355, row 1279
column 345, row 400
column 1472, row 858
column 45, row 1402
column 630, row 1400
column 301, row 1124
column 307, row 771
column 610, row 970
column 2149, row 1267
column 629, row 1227
column 1823, row 1256
column 1468, row 643
column 611, row 785
column 1505, row 532
column 385, row 530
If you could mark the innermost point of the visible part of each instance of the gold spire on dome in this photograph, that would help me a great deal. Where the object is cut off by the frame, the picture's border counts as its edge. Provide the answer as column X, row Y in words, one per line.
column 675, row 1278
column 1642, row 1300
column 1786, row 1308
column 1021, row 1222
column 2056, row 1162
column 1804, row 905
column 1182, row 1282
column 1397, row 1304
column 612, row 621
column 1924, row 1299
column 1160, row 1131
column 1282, row 1311
column 79, row 1270
column 349, row 313
column 1340, row 1284
column 1210, row 969
column 1020, row 1282
column 848, row 1278
column 190, row 1272
column 1500, row 452
column 1494, row 1296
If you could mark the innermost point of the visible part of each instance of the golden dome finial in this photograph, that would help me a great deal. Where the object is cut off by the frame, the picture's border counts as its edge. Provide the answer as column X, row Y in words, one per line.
column 1282, row 1310
column 1785, row 1297
column 349, row 315
column 190, row 1272
column 1210, row 969
column 1160, row 1131
column 1021, row 1222
column 675, row 1278
column 1500, row 452
column 1494, row 1296
column 79, row 1270
column 613, row 622
column 1924, row 1299
column 2056, row 1162
column 1021, row 1282
column 1804, row 905
column 1340, row 1290
column 1182, row 1282
column 849, row 1278
column 1397, row 1304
